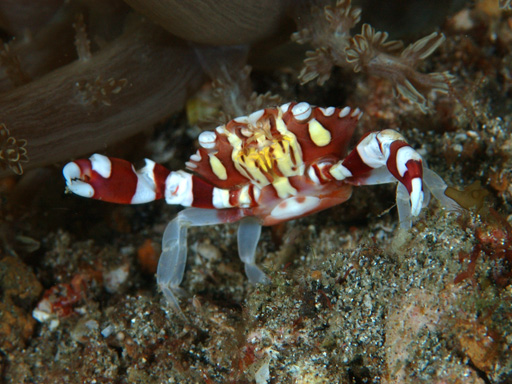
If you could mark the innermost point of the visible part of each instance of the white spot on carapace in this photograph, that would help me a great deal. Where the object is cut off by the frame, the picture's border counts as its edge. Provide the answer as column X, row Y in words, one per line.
column 207, row 139
column 220, row 198
column 241, row 119
column 196, row 156
column 178, row 188
column 101, row 164
column 340, row 172
column 301, row 111
column 190, row 164
column 218, row 168
column 327, row 111
column 356, row 112
column 403, row 155
column 146, row 187
column 318, row 134
column 220, row 129
column 295, row 207
column 344, row 112
column 255, row 116
column 285, row 107
column 247, row 132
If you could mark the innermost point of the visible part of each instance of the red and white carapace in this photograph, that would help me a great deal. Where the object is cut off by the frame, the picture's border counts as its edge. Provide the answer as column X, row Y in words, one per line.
column 274, row 165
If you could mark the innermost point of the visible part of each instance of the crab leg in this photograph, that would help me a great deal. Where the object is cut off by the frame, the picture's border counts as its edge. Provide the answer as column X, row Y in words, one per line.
column 173, row 259
column 385, row 157
column 115, row 180
column 249, row 232
column 171, row 265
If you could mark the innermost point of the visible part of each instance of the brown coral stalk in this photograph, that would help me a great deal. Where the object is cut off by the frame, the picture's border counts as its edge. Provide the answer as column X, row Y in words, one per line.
column 216, row 22
column 57, row 114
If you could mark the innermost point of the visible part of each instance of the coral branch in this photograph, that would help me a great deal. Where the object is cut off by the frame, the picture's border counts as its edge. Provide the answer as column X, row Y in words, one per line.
column 318, row 64
column 12, row 151
column 232, row 92
column 372, row 53
column 365, row 47
column 328, row 31
column 82, row 43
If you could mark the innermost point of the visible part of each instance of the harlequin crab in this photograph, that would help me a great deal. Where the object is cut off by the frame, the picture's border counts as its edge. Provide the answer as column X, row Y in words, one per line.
column 274, row 165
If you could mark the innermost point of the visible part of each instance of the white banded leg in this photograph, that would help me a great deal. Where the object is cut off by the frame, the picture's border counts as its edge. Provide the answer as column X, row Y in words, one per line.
column 385, row 157
column 249, row 232
column 433, row 184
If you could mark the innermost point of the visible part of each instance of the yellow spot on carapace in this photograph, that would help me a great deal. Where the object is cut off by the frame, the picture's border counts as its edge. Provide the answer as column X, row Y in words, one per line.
column 319, row 135
column 218, row 168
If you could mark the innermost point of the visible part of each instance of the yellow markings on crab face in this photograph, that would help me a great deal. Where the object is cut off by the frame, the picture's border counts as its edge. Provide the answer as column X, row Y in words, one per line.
column 249, row 166
column 266, row 157
column 217, row 167
column 262, row 158
column 243, row 164
column 283, row 188
column 294, row 147
column 319, row 135
column 282, row 153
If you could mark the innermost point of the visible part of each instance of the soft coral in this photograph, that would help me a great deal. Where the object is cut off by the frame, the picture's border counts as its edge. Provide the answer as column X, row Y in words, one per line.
column 328, row 31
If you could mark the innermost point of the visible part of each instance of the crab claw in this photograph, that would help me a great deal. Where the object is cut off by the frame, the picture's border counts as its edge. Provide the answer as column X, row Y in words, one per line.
column 115, row 180
column 416, row 196
column 75, row 180
column 406, row 165
column 385, row 157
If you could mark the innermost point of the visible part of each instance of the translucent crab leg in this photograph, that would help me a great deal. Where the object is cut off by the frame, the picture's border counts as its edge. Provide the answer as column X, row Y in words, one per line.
column 249, row 233
column 437, row 186
column 171, row 266
column 403, row 206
